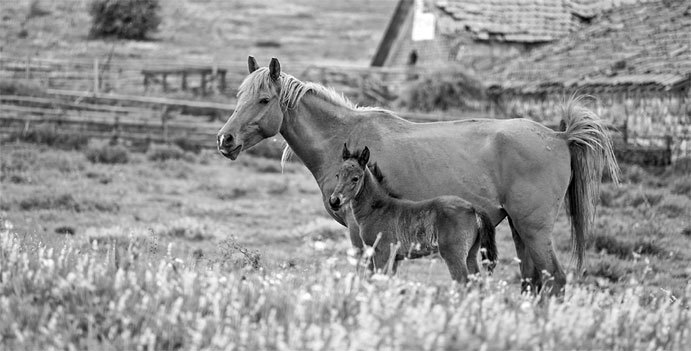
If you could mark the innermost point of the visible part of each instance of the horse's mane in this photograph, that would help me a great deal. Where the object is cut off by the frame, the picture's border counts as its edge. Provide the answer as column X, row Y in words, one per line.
column 291, row 92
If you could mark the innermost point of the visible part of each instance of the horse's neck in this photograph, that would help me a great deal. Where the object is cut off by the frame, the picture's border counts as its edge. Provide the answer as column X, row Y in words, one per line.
column 315, row 131
column 371, row 198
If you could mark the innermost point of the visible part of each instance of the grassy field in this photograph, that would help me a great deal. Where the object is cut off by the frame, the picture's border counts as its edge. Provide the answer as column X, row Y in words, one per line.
column 174, row 250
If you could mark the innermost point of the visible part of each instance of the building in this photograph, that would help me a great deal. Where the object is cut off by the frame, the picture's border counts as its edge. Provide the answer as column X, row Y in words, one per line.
column 635, row 59
column 479, row 34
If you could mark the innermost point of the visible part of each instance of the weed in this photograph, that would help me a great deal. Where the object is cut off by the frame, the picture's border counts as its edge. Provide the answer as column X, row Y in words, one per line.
column 48, row 135
column 611, row 270
column 188, row 145
column 675, row 207
column 269, row 148
column 611, row 245
column 13, row 87
column 65, row 202
column 681, row 186
column 65, row 230
column 109, row 154
column 267, row 44
column 233, row 194
column 185, row 228
column 250, row 258
column 168, row 152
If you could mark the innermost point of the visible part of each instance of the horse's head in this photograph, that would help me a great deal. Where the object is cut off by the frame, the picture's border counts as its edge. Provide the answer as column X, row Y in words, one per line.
column 258, row 113
column 350, row 177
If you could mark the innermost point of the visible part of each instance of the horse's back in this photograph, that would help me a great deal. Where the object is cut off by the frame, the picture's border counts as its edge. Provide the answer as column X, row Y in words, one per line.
column 480, row 158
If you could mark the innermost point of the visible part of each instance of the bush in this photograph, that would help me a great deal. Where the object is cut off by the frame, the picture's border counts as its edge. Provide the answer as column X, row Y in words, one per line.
column 168, row 152
column 442, row 90
column 110, row 154
column 9, row 87
column 48, row 135
column 124, row 19
column 269, row 148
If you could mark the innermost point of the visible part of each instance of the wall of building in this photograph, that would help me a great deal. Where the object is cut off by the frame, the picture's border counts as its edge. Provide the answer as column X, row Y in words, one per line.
column 648, row 119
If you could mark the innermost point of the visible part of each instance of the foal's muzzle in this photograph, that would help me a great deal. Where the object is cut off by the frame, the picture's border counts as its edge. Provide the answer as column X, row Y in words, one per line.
column 335, row 203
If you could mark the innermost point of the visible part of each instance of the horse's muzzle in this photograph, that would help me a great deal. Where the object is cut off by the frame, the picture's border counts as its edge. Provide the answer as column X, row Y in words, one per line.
column 227, row 147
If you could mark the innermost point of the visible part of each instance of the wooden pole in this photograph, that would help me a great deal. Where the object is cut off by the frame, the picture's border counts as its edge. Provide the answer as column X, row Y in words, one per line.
column 27, row 72
column 96, row 78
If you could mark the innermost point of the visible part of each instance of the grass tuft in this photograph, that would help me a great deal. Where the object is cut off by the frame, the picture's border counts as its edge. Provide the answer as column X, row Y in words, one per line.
column 109, row 154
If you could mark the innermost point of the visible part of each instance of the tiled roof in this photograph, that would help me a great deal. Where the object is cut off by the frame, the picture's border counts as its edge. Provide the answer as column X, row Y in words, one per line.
column 528, row 21
column 634, row 45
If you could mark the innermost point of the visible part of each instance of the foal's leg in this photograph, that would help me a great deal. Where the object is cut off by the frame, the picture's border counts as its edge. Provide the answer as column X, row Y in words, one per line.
column 453, row 250
column 471, row 261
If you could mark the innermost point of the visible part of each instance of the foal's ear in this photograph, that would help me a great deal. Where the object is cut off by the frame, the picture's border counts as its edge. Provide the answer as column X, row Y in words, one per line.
column 346, row 153
column 364, row 157
column 274, row 69
column 252, row 64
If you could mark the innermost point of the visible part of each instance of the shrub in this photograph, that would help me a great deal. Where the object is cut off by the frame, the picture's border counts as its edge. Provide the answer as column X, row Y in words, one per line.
column 269, row 148
column 110, row 154
column 681, row 186
column 675, row 207
column 188, row 145
column 124, row 19
column 442, row 90
column 48, row 135
column 10, row 87
column 167, row 152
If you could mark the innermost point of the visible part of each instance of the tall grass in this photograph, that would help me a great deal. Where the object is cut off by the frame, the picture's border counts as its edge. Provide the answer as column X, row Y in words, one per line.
column 120, row 297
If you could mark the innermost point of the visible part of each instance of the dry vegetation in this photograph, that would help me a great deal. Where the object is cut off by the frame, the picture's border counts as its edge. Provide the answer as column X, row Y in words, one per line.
column 194, row 252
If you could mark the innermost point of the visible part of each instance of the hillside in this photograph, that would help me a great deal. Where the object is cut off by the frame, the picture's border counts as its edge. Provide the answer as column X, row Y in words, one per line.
column 309, row 31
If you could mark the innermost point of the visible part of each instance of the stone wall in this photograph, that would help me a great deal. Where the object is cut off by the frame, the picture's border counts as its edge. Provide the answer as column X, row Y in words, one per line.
column 652, row 119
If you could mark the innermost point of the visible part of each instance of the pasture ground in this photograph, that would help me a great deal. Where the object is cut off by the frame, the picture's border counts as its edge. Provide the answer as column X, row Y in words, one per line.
column 259, row 245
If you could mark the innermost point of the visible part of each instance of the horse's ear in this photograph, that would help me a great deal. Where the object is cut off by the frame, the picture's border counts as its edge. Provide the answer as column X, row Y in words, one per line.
column 274, row 69
column 364, row 157
column 346, row 153
column 252, row 64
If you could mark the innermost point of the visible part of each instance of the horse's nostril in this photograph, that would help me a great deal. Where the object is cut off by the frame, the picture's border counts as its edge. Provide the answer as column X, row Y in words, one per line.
column 225, row 140
column 334, row 201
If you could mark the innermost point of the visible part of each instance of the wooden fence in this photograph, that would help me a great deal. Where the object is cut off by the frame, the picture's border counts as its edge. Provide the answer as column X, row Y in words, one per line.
column 76, row 100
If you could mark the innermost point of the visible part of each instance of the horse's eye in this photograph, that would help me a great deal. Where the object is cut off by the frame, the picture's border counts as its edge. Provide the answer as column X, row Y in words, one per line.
column 336, row 176
column 355, row 179
column 264, row 101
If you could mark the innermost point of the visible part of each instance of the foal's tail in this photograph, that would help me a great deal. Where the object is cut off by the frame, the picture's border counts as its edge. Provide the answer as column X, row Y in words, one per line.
column 486, row 233
column 591, row 154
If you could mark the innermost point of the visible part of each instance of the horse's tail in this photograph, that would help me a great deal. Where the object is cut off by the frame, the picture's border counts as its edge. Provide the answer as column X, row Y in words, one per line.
column 591, row 152
column 486, row 233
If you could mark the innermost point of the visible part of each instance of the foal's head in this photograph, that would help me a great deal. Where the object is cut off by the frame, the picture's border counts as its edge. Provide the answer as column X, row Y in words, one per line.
column 350, row 177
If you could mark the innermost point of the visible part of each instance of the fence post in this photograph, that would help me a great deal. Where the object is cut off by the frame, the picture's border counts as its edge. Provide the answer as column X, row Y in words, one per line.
column 27, row 71
column 96, row 77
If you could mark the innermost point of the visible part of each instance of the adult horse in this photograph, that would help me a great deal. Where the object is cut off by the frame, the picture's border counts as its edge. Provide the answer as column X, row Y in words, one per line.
column 513, row 168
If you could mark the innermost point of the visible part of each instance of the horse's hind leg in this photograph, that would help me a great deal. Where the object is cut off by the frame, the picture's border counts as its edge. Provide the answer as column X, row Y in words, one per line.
column 535, row 233
column 530, row 277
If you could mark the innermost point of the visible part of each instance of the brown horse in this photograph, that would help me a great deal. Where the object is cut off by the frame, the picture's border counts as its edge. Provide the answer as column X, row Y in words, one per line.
column 513, row 168
column 447, row 224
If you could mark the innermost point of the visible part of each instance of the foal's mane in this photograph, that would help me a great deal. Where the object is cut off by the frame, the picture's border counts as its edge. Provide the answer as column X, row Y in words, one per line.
column 291, row 92
column 376, row 173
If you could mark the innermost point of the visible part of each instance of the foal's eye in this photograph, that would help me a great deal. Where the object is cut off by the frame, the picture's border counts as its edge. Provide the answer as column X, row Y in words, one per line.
column 264, row 101
column 355, row 179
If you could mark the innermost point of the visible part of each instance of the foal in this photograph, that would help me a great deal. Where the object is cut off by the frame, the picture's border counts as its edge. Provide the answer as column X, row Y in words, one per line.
column 446, row 224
